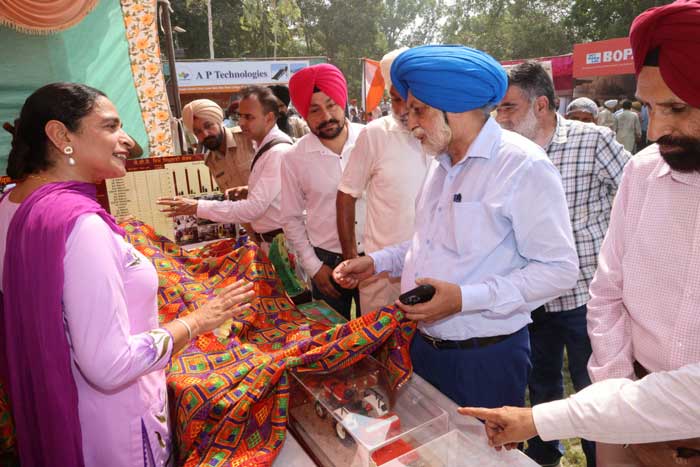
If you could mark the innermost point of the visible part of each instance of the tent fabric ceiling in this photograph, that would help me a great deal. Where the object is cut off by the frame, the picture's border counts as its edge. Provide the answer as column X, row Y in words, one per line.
column 44, row 16
column 115, row 49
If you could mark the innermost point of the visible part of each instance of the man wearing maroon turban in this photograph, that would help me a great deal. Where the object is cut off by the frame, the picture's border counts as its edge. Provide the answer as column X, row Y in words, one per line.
column 643, row 312
column 642, row 317
column 311, row 172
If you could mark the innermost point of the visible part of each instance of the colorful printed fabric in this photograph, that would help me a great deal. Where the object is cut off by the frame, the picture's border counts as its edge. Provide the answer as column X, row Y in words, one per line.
column 7, row 428
column 282, row 261
column 229, row 394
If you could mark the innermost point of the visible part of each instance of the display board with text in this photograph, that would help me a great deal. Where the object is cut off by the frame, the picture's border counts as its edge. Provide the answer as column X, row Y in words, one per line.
column 149, row 179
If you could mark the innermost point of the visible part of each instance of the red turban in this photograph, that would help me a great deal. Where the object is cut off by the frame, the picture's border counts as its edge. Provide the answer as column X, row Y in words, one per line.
column 675, row 30
column 325, row 77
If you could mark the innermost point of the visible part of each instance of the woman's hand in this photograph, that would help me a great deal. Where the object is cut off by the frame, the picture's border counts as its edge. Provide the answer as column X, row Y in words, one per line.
column 221, row 308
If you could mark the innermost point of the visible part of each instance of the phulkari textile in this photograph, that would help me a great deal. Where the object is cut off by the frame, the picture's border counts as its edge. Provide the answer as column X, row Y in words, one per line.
column 7, row 428
column 229, row 394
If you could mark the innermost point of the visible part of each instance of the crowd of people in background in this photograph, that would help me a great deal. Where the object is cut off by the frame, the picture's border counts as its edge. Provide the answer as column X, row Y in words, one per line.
column 628, row 119
column 511, row 236
column 541, row 235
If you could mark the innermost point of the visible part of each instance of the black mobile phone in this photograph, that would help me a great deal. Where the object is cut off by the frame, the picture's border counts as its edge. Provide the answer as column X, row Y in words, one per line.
column 421, row 294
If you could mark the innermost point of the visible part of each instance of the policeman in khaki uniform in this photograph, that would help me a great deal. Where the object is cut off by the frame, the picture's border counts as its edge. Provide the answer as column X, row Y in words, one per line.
column 229, row 153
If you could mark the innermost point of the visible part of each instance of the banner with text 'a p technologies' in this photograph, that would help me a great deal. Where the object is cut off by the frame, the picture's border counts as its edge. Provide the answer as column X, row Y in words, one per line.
column 210, row 75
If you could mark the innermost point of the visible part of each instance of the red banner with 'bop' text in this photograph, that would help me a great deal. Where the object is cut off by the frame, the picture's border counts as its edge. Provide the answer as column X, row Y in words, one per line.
column 603, row 58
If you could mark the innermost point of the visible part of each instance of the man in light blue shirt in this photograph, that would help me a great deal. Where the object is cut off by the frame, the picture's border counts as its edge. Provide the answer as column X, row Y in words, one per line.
column 492, row 231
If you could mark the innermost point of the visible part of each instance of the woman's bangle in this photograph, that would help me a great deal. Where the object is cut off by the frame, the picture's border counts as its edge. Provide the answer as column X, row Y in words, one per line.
column 187, row 326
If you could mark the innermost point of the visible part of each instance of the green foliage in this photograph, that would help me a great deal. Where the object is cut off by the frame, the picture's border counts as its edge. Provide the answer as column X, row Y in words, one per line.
column 267, row 28
column 593, row 20
column 347, row 30
column 511, row 29
column 409, row 22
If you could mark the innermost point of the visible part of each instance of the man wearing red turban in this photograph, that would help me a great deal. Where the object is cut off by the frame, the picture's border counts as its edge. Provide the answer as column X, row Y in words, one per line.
column 642, row 317
column 311, row 172
column 643, row 312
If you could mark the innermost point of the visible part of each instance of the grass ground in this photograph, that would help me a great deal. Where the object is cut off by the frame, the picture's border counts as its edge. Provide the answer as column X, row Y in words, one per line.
column 574, row 454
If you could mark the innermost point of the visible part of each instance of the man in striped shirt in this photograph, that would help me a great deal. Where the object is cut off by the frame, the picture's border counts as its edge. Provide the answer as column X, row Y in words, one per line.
column 590, row 161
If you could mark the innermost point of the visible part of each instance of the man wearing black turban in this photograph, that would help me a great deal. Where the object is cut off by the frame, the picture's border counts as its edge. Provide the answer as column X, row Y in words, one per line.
column 290, row 124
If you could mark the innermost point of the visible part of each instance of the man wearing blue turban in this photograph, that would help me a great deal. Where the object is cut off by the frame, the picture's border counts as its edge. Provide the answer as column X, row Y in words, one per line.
column 492, row 231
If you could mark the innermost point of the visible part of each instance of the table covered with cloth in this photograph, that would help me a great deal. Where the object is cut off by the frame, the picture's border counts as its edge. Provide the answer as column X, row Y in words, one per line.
column 230, row 394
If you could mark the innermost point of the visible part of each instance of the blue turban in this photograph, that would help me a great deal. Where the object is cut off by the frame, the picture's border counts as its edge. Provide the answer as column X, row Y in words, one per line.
column 452, row 78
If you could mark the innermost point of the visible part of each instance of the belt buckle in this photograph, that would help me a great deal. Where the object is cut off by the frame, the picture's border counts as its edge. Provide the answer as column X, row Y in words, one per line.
column 432, row 340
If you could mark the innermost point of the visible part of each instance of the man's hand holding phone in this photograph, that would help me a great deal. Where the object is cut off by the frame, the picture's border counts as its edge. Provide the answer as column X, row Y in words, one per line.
column 444, row 301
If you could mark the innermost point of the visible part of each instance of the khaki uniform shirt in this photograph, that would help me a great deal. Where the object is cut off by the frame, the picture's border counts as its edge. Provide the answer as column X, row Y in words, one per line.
column 231, row 169
column 298, row 126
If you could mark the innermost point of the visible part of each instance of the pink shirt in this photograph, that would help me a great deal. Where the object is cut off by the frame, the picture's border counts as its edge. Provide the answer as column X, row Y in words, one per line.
column 646, row 292
column 118, row 352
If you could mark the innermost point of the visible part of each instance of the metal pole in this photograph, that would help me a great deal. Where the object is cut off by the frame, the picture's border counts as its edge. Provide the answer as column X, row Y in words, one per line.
column 211, row 31
column 364, row 85
column 170, row 52
column 274, row 27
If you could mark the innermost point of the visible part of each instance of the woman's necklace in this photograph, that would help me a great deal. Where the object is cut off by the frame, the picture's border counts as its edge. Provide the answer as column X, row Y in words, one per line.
column 42, row 178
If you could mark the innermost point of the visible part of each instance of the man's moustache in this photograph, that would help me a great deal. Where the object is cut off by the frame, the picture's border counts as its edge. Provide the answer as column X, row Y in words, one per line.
column 668, row 140
column 328, row 123
column 418, row 132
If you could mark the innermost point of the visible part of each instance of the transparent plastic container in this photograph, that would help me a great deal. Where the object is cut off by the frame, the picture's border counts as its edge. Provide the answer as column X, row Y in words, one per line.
column 351, row 418
column 455, row 449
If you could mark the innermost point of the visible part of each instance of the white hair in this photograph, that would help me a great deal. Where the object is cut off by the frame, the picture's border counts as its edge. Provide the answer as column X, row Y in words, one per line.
column 385, row 65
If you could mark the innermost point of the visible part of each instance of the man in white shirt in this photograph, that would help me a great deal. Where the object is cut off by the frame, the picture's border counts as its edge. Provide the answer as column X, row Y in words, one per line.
column 662, row 406
column 627, row 126
column 605, row 116
column 492, row 236
column 257, row 116
column 311, row 171
column 389, row 163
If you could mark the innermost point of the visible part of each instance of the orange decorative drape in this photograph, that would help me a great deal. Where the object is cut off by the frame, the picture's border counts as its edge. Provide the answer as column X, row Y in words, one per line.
column 43, row 16
column 144, row 54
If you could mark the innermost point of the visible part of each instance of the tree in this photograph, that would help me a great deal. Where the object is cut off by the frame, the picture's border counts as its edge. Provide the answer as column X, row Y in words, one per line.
column 269, row 28
column 511, row 29
column 594, row 20
column 409, row 22
column 344, row 32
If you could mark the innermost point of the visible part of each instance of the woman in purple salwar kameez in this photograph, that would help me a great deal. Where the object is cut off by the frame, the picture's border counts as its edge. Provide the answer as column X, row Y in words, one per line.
column 81, row 349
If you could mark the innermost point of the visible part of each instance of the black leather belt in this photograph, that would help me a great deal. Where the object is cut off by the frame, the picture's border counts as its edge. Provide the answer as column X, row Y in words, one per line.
column 639, row 370
column 330, row 258
column 473, row 343
column 269, row 236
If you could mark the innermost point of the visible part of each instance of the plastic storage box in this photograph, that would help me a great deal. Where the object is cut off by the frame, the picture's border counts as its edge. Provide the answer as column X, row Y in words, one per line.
column 351, row 418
